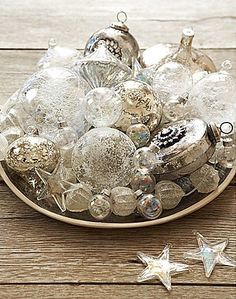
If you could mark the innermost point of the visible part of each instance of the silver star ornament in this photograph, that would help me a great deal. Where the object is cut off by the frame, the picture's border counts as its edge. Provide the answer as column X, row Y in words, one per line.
column 160, row 267
column 210, row 254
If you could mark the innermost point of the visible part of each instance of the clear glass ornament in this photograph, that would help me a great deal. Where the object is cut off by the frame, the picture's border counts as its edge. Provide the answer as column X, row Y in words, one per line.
column 143, row 181
column 57, row 56
column 101, row 68
column 213, row 98
column 205, row 179
column 139, row 102
column 52, row 93
column 174, row 109
column 3, row 147
column 100, row 207
column 169, row 193
column 226, row 155
column 65, row 137
column 103, row 107
column 139, row 134
column 13, row 133
column 32, row 151
column 103, row 158
column 124, row 201
column 172, row 79
column 145, row 159
column 149, row 206
column 77, row 197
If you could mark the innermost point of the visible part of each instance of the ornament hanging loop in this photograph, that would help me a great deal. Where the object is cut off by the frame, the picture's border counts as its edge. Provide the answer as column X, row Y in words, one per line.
column 121, row 17
column 226, row 127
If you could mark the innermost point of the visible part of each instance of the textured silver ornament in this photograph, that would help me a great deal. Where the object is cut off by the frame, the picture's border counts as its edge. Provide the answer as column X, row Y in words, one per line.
column 139, row 102
column 120, row 42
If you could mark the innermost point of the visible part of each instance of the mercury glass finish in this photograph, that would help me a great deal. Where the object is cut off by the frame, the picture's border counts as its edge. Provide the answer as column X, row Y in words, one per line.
column 100, row 207
column 124, row 201
column 149, row 206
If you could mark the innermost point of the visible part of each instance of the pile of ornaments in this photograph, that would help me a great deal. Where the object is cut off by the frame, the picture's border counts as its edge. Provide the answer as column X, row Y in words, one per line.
column 117, row 131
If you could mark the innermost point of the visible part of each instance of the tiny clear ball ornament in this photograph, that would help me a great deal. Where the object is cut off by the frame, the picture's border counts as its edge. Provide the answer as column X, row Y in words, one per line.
column 65, row 137
column 149, row 206
column 205, row 179
column 169, row 193
column 3, row 147
column 139, row 134
column 213, row 98
column 78, row 197
column 103, row 158
column 172, row 79
column 124, row 201
column 143, row 181
column 100, row 207
column 103, row 107
column 145, row 159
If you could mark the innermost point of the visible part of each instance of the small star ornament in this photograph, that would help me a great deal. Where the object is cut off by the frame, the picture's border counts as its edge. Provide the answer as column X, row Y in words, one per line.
column 210, row 254
column 160, row 267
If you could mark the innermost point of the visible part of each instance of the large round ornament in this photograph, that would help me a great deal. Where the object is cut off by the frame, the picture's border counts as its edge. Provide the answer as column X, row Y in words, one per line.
column 139, row 102
column 120, row 42
column 103, row 158
column 32, row 151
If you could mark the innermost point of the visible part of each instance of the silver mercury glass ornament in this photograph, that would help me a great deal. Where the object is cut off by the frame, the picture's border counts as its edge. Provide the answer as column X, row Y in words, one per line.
column 118, row 39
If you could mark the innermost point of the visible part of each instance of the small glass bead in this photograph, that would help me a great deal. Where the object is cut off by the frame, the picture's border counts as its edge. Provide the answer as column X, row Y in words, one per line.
column 145, row 159
column 103, row 107
column 65, row 138
column 78, row 198
column 3, row 147
column 143, row 181
column 149, row 206
column 13, row 133
column 139, row 134
column 170, row 194
column 100, row 207
column 124, row 201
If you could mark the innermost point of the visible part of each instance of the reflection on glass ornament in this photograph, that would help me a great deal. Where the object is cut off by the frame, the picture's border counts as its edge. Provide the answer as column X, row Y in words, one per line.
column 174, row 109
column 100, row 206
column 213, row 98
column 101, row 68
column 58, row 56
column 143, row 181
column 3, row 147
column 77, row 196
column 169, row 193
column 123, row 200
column 139, row 134
column 145, row 159
column 172, row 79
column 51, row 93
column 32, row 151
column 186, row 185
column 205, row 179
column 103, row 158
column 65, row 137
column 149, row 206
column 103, row 107
column 118, row 39
column 13, row 133
column 139, row 102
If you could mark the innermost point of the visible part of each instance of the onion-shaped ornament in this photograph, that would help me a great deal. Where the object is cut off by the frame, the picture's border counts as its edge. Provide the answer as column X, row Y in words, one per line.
column 120, row 42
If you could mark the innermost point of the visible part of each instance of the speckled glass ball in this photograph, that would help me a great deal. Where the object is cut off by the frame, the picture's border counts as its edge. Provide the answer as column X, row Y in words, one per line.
column 139, row 101
column 149, row 206
column 99, row 207
column 78, row 198
column 124, row 201
column 145, row 159
column 29, row 152
column 139, row 134
column 103, row 158
column 169, row 193
column 103, row 107
column 143, row 181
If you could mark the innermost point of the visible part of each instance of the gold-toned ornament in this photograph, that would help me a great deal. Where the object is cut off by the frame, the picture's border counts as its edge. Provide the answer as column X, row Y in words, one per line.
column 32, row 151
column 139, row 102
column 120, row 42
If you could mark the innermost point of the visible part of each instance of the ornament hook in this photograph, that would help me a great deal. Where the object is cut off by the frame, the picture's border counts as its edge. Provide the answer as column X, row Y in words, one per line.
column 121, row 17
column 226, row 127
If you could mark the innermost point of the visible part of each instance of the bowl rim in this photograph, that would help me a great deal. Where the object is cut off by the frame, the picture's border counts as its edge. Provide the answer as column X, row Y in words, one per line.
column 93, row 224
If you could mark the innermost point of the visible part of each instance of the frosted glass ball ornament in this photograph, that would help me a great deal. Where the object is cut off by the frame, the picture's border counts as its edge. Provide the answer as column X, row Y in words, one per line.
column 3, row 147
column 124, row 201
column 103, row 107
column 103, row 158
column 145, row 159
column 172, row 79
column 149, row 206
column 51, row 93
column 213, row 98
column 100, row 206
